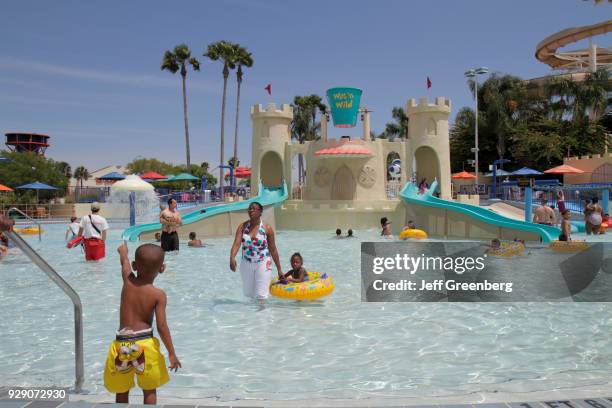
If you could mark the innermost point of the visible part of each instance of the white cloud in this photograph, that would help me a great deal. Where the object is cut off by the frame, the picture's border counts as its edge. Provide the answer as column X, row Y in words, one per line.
column 122, row 78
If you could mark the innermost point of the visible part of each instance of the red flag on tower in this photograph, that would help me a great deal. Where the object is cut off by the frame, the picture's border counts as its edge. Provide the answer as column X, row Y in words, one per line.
column 428, row 83
column 269, row 89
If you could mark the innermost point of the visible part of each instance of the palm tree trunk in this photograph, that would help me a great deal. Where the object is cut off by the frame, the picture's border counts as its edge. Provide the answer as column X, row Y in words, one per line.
column 184, row 75
column 239, row 79
column 300, row 168
column 221, row 183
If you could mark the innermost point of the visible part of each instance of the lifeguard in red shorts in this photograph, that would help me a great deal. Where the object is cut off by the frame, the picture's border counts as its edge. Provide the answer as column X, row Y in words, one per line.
column 93, row 229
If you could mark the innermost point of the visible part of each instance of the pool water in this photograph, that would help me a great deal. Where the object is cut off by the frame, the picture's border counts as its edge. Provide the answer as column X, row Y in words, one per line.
column 334, row 348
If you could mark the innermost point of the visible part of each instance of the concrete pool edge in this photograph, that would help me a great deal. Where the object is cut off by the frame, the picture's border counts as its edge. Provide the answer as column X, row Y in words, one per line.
column 537, row 399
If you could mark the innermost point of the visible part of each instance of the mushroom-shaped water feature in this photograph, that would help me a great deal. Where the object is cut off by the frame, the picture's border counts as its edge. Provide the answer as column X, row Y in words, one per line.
column 132, row 184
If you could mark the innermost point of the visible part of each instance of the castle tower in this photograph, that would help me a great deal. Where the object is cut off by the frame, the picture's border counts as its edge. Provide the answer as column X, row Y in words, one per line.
column 270, row 136
column 429, row 148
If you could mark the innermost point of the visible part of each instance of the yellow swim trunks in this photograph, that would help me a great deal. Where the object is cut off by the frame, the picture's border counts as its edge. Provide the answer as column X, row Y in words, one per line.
column 134, row 353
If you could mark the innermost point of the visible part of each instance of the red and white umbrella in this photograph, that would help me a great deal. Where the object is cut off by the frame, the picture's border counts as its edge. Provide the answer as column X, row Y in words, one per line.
column 564, row 169
column 241, row 172
column 151, row 175
column 464, row 175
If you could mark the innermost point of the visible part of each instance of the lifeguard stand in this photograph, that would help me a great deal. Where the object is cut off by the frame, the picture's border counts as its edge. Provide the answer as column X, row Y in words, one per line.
column 27, row 142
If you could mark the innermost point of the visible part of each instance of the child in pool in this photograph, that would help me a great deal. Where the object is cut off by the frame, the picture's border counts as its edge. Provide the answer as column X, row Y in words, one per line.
column 409, row 225
column 566, row 226
column 386, row 228
column 297, row 273
column 495, row 245
column 193, row 242
column 135, row 350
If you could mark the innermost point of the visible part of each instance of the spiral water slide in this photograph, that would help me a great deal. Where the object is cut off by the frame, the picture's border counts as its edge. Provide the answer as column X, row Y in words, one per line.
column 547, row 50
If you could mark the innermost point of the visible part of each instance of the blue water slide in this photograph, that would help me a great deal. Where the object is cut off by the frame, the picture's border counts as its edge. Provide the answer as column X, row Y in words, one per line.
column 267, row 196
column 410, row 195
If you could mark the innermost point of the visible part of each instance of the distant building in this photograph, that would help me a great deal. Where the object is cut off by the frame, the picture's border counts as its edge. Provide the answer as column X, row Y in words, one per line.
column 92, row 182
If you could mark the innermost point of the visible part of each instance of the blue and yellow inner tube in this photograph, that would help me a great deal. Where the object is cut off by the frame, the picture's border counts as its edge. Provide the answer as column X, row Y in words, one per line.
column 507, row 249
column 316, row 286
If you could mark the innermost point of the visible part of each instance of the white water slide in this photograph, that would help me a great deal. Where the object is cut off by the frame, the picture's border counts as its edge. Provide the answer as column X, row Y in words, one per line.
column 548, row 52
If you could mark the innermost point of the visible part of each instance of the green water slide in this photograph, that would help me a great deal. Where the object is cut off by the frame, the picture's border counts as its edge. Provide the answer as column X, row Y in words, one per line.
column 411, row 196
column 267, row 196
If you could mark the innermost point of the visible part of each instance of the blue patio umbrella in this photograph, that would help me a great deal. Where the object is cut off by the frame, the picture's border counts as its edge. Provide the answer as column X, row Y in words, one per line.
column 112, row 176
column 526, row 171
column 36, row 186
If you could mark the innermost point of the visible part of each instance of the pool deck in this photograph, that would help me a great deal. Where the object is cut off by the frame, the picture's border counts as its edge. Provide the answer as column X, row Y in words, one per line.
column 555, row 401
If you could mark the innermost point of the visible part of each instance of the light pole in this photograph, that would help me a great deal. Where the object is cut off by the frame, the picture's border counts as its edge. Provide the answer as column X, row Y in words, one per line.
column 472, row 73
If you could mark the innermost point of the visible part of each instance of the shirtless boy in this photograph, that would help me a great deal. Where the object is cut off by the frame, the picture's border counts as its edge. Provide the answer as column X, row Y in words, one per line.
column 135, row 350
column 566, row 226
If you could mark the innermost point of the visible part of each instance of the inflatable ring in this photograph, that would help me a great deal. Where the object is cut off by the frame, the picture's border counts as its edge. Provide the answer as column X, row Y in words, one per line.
column 412, row 233
column 568, row 246
column 507, row 249
column 28, row 230
column 316, row 286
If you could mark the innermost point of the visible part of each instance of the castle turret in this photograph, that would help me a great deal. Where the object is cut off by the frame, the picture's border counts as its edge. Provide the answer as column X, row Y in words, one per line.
column 429, row 142
column 270, row 135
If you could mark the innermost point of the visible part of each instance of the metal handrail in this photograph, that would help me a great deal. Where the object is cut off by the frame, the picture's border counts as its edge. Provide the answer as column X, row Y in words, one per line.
column 76, row 300
column 27, row 216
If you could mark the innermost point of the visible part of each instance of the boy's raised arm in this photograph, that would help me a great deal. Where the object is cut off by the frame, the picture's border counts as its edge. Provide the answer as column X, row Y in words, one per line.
column 164, row 330
column 126, row 269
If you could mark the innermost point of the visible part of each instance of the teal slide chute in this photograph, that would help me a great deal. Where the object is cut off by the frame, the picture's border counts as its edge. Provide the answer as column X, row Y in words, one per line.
column 410, row 195
column 267, row 196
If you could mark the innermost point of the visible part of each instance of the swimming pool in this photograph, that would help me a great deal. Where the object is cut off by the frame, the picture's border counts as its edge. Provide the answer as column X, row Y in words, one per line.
column 339, row 348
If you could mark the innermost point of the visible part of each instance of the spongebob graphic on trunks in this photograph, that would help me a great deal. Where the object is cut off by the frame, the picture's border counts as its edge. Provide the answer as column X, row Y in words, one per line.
column 142, row 358
column 131, row 355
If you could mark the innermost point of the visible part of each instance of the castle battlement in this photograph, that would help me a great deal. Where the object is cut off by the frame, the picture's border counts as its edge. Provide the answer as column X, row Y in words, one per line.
column 441, row 104
column 594, row 156
column 285, row 111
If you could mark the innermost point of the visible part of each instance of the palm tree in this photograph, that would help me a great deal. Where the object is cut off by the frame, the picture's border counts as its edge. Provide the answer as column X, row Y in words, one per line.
column 65, row 169
column 243, row 58
column 205, row 166
column 580, row 99
column 499, row 108
column 305, row 126
column 80, row 174
column 399, row 128
column 173, row 61
column 226, row 52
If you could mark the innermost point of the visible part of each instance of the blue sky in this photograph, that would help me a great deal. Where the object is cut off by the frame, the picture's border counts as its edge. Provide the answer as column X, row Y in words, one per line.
column 87, row 73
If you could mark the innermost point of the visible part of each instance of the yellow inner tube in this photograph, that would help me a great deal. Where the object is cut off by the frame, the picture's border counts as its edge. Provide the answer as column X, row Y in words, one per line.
column 507, row 249
column 568, row 246
column 413, row 233
column 28, row 230
column 316, row 286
